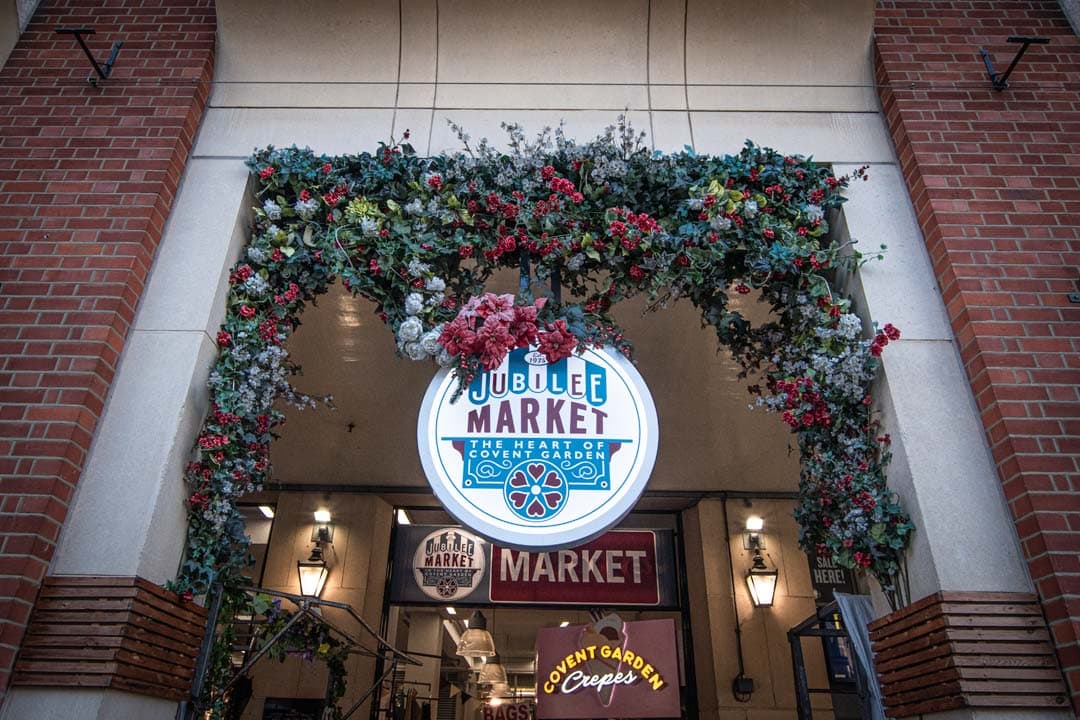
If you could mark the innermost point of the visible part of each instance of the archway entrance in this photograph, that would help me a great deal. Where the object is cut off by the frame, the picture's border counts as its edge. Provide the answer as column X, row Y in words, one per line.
column 813, row 367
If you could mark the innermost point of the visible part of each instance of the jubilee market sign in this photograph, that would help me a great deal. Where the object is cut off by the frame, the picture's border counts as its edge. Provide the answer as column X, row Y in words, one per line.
column 538, row 454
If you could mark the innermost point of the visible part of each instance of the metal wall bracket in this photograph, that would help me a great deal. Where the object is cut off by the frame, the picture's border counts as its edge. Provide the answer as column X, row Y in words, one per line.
column 1001, row 81
column 101, row 70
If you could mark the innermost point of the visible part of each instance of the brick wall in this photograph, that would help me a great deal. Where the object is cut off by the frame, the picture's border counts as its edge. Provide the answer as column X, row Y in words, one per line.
column 87, row 177
column 995, row 179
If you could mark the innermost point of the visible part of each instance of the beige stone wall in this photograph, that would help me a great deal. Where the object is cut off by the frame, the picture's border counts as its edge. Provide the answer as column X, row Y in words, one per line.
column 766, row 652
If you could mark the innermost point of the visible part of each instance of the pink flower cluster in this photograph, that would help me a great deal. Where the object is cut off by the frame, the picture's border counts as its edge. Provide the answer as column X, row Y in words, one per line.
column 488, row 327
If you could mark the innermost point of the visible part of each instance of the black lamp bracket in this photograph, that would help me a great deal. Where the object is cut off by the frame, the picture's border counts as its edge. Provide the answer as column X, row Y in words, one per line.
column 102, row 71
column 1001, row 80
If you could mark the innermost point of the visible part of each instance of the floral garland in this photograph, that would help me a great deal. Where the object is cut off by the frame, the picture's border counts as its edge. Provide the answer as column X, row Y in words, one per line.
column 602, row 221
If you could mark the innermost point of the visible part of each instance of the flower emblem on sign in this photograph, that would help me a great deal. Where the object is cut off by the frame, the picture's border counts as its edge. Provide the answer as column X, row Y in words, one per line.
column 535, row 491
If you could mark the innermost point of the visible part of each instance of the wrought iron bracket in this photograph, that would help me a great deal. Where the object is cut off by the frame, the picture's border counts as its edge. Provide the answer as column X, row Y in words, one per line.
column 102, row 71
column 1000, row 81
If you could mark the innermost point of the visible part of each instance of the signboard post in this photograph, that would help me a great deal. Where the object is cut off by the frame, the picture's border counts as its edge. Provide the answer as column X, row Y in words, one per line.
column 539, row 455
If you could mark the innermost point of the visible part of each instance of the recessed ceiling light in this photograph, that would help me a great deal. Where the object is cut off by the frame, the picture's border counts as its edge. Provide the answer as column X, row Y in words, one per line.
column 564, row 623
column 450, row 611
column 267, row 511
column 322, row 516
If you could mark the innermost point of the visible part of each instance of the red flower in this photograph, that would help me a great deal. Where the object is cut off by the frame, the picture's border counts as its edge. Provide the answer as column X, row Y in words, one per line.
column 742, row 289
column 768, row 232
column 266, row 172
column 187, row 596
column 556, row 342
column 373, row 266
column 891, row 331
column 547, row 172
column 247, row 311
column 435, row 182
column 637, row 274
column 683, row 260
column 327, row 168
column 465, row 251
column 224, row 339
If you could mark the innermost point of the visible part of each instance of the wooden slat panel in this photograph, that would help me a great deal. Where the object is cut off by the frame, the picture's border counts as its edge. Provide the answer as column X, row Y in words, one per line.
column 938, row 598
column 124, row 633
column 954, row 650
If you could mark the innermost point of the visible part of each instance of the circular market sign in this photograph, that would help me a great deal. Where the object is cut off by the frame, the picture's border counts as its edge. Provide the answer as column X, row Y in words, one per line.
column 448, row 564
column 540, row 455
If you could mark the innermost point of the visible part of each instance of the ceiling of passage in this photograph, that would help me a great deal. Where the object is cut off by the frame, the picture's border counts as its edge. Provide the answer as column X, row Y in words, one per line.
column 709, row 439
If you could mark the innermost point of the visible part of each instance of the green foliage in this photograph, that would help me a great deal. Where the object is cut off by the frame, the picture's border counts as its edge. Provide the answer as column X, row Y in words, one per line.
column 419, row 237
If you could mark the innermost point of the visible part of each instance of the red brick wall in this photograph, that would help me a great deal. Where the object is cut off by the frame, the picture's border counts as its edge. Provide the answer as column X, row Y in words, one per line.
column 995, row 179
column 87, row 177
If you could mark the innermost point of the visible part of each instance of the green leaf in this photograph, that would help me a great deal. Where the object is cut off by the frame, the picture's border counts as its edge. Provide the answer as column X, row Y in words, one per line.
column 288, row 251
column 261, row 603
column 308, row 233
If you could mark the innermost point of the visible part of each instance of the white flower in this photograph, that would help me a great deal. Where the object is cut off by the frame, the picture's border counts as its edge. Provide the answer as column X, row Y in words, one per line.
column 306, row 209
column 436, row 299
column 436, row 284
column 696, row 204
column 415, row 351
column 272, row 210
column 415, row 207
column 814, row 212
column 414, row 303
column 410, row 330
column 575, row 262
column 255, row 285
column 750, row 208
column 369, row 226
column 444, row 359
column 430, row 340
column 417, row 268
column 720, row 223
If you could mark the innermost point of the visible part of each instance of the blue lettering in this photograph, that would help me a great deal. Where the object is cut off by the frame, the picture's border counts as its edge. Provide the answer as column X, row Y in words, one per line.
column 596, row 383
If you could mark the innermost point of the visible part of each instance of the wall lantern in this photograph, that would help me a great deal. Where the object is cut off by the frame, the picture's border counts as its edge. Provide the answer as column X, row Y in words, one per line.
column 476, row 642
column 492, row 672
column 313, row 573
column 762, row 582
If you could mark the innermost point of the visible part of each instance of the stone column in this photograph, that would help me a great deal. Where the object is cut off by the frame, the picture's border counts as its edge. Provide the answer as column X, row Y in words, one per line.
column 942, row 468
column 128, row 517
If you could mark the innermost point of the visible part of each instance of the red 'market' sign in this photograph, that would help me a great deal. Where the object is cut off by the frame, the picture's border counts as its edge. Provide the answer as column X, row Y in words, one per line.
column 617, row 568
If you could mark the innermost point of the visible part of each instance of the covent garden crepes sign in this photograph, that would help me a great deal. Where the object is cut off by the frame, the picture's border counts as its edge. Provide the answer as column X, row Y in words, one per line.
column 538, row 454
